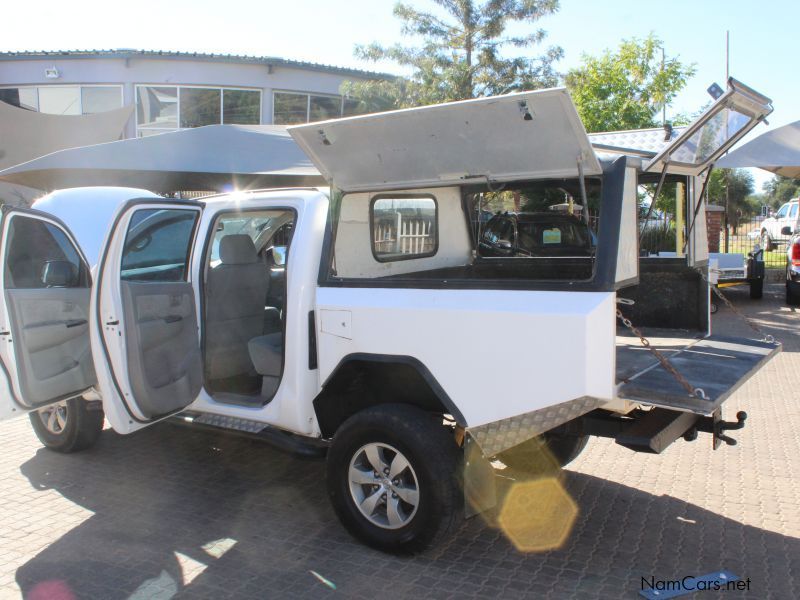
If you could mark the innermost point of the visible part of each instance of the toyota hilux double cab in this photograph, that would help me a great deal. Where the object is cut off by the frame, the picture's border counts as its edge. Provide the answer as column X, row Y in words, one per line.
column 367, row 323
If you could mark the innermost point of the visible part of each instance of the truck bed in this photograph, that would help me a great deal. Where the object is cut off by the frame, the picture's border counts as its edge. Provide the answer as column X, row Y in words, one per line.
column 718, row 365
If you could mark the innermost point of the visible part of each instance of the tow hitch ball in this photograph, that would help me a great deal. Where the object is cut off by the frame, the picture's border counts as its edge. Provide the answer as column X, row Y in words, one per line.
column 716, row 426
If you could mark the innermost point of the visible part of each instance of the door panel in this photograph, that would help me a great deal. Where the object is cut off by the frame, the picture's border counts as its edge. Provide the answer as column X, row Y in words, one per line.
column 50, row 330
column 44, row 310
column 164, row 362
column 143, row 315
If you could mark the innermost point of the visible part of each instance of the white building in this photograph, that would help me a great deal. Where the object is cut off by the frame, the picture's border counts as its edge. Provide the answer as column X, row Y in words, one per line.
column 166, row 91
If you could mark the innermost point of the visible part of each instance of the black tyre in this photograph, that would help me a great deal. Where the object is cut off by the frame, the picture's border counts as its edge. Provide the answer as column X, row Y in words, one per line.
column 766, row 241
column 540, row 455
column 68, row 426
column 757, row 289
column 792, row 294
column 393, row 478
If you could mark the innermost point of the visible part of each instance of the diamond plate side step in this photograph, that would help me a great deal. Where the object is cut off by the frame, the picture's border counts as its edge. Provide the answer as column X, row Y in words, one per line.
column 291, row 443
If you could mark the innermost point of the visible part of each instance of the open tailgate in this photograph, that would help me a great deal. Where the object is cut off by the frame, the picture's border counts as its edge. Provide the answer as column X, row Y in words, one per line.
column 716, row 364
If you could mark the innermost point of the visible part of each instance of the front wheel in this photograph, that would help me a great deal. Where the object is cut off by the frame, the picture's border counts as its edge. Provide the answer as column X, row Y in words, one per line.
column 68, row 426
column 392, row 477
column 766, row 241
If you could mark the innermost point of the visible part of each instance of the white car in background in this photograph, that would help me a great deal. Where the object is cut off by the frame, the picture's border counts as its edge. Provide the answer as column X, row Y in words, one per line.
column 771, row 231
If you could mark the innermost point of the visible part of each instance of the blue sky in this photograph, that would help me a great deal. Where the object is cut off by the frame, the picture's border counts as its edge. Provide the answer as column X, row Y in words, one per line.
column 764, row 36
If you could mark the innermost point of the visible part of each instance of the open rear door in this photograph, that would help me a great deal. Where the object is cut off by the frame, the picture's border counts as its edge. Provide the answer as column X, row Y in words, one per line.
column 143, row 316
column 44, row 309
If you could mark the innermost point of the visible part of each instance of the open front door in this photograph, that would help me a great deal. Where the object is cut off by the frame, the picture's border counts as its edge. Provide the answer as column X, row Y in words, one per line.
column 143, row 317
column 44, row 309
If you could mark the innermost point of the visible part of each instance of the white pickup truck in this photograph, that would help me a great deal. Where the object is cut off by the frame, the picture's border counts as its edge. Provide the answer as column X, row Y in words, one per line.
column 366, row 324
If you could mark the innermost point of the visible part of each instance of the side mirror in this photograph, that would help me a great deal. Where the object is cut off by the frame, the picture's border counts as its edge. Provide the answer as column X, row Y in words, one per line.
column 786, row 230
column 504, row 244
column 59, row 273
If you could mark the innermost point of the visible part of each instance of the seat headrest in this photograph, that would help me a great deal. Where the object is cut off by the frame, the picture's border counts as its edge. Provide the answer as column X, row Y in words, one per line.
column 237, row 249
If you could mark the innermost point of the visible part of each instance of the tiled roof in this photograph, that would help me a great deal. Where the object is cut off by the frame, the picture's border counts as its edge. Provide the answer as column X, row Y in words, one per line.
column 126, row 53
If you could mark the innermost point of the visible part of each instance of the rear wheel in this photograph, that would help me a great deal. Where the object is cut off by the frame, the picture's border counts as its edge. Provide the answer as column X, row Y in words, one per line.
column 541, row 454
column 68, row 426
column 392, row 478
column 757, row 289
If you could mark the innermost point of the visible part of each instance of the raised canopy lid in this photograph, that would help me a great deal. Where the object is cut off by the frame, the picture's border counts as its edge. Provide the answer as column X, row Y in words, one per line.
column 523, row 136
column 724, row 123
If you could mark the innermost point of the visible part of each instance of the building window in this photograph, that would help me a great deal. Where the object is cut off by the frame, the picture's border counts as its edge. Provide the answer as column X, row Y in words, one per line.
column 291, row 108
column 100, row 99
column 199, row 107
column 64, row 99
column 168, row 108
column 241, row 107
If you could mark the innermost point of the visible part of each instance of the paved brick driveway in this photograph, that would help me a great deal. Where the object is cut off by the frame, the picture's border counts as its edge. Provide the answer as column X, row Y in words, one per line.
column 175, row 512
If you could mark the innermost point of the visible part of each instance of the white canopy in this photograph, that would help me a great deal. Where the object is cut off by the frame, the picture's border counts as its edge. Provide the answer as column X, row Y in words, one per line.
column 209, row 158
column 777, row 151
column 529, row 135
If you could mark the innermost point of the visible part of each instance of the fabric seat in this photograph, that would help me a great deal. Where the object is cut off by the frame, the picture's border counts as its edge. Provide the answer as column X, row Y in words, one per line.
column 266, row 352
column 235, row 293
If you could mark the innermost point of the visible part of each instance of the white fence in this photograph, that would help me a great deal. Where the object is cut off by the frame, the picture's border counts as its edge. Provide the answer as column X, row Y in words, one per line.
column 409, row 235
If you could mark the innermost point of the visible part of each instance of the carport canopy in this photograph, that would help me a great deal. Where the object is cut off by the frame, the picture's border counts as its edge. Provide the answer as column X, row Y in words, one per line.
column 777, row 151
column 212, row 158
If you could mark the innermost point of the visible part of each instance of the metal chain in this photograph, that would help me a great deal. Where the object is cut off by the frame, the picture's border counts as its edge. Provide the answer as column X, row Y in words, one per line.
column 767, row 337
column 692, row 391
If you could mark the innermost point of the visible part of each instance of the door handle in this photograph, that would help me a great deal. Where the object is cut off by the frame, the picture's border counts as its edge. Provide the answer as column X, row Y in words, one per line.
column 75, row 323
column 172, row 318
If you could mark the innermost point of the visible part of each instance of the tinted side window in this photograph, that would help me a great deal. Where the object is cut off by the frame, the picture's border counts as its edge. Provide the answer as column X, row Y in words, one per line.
column 158, row 244
column 40, row 255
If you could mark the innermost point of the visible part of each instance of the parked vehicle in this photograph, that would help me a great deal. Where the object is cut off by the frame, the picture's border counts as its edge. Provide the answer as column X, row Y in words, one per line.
column 771, row 230
column 792, row 266
column 536, row 234
column 737, row 269
column 354, row 324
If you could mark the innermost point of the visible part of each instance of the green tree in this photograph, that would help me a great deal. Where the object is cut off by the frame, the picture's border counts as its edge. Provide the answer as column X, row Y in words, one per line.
column 462, row 54
column 780, row 190
column 734, row 187
column 627, row 88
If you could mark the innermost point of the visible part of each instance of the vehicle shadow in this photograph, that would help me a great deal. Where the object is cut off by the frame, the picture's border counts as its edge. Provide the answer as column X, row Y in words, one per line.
column 181, row 513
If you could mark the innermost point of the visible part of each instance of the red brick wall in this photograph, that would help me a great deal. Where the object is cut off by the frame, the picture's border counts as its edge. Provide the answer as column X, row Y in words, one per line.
column 714, row 227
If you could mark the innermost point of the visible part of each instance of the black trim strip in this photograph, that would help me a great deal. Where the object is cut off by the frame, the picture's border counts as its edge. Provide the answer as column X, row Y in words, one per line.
column 312, row 341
